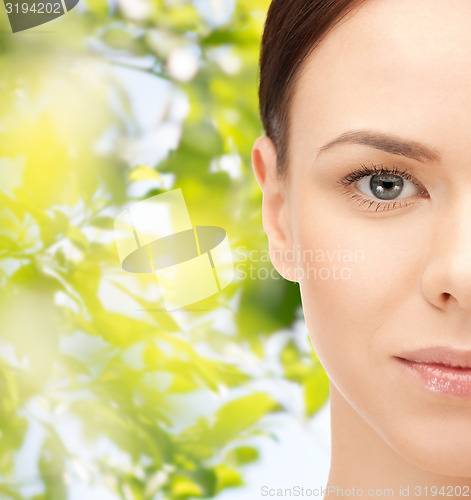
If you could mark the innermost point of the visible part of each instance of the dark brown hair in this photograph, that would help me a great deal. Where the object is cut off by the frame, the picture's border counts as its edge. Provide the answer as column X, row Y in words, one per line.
column 293, row 28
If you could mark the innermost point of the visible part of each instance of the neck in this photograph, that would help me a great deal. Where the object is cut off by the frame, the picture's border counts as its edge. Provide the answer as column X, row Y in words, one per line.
column 362, row 459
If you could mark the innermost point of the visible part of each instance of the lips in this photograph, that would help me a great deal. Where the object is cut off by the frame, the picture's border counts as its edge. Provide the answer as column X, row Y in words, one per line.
column 442, row 370
column 439, row 355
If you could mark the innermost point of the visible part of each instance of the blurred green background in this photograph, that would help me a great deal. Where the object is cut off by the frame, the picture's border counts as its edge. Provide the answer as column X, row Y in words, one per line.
column 110, row 104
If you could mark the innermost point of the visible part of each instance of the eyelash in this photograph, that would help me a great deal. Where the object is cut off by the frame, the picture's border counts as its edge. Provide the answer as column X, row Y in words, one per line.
column 374, row 169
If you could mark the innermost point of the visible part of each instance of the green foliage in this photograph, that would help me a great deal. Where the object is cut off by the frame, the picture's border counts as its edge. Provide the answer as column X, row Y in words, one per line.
column 126, row 376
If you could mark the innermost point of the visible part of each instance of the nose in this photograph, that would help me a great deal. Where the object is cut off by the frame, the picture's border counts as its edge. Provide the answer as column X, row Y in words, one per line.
column 446, row 280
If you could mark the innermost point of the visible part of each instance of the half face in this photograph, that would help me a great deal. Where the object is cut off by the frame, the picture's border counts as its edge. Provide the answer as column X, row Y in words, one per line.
column 378, row 212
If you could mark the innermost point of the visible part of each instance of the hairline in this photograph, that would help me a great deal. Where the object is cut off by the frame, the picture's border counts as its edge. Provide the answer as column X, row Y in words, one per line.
column 285, row 115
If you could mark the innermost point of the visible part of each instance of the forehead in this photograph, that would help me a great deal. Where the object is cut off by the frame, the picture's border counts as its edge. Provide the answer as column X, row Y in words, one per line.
column 398, row 66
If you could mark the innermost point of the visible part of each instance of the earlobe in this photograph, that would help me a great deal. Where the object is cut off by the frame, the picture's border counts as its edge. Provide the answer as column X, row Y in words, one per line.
column 275, row 213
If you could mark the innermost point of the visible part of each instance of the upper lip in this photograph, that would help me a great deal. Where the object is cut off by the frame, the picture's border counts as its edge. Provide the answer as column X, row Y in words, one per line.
column 442, row 355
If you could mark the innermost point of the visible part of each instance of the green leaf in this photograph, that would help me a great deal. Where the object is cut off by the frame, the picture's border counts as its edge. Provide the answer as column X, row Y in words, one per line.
column 242, row 455
column 234, row 421
column 98, row 7
column 240, row 415
column 52, row 465
column 103, row 222
column 227, row 477
column 184, row 487
column 52, row 226
column 316, row 391
column 77, row 237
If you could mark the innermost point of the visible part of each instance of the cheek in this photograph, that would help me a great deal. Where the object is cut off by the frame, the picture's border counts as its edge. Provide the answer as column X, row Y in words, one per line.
column 358, row 276
column 357, row 325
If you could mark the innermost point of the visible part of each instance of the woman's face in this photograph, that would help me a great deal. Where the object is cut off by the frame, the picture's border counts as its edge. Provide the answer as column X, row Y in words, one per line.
column 385, row 267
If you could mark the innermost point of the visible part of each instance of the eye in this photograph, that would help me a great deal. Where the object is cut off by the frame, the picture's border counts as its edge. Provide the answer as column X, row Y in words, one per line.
column 382, row 186
column 387, row 187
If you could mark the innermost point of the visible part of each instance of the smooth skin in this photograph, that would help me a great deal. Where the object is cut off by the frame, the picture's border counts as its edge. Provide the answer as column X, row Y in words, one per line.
column 401, row 68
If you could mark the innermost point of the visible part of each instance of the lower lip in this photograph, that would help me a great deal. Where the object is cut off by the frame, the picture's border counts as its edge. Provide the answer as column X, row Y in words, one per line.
column 441, row 379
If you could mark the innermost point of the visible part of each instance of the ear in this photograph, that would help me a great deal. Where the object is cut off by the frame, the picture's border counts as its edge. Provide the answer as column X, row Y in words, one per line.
column 275, row 212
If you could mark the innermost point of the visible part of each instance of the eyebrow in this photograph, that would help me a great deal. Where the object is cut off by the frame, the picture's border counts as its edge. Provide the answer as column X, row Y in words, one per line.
column 386, row 142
